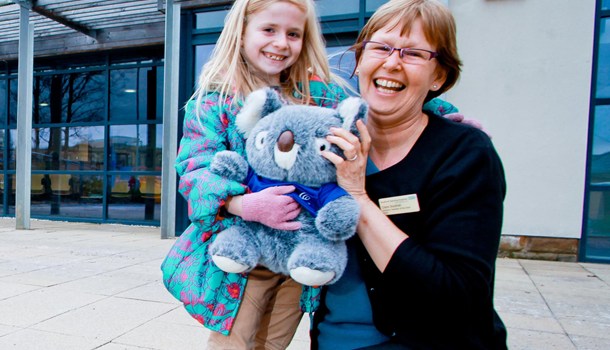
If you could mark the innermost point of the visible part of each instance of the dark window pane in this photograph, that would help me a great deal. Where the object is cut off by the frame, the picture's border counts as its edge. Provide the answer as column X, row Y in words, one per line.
column 69, row 98
column 3, row 100
column 12, row 103
column 2, row 139
column 135, row 147
column 603, row 60
column 600, row 158
column 136, row 94
column 598, row 225
column 134, row 197
column 67, row 195
column 123, row 97
column 2, row 186
column 75, row 148
column 12, row 142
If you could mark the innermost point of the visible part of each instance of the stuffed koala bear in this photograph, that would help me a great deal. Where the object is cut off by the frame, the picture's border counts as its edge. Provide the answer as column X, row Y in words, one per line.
column 283, row 145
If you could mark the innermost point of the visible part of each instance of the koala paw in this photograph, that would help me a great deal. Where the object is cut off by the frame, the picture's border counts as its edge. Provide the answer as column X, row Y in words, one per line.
column 309, row 277
column 229, row 164
column 338, row 219
column 228, row 265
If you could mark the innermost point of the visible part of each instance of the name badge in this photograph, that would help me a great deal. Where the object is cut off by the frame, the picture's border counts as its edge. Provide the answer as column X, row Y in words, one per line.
column 399, row 204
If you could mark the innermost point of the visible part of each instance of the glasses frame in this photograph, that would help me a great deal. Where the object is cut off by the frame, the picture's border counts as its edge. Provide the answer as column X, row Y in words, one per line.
column 401, row 50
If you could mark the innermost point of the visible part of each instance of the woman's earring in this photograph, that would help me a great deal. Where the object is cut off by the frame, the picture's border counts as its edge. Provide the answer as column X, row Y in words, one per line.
column 434, row 87
column 357, row 71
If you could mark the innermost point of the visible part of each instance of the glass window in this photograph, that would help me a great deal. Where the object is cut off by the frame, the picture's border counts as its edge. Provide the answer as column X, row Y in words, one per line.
column 134, row 197
column 2, row 138
column 136, row 94
column 330, row 8
column 70, row 98
column 342, row 63
column 598, row 225
column 1, row 194
column 372, row 5
column 12, row 102
column 67, row 195
column 202, row 55
column 600, row 158
column 603, row 60
column 210, row 19
column 605, row 4
column 3, row 100
column 69, row 148
column 12, row 142
column 135, row 147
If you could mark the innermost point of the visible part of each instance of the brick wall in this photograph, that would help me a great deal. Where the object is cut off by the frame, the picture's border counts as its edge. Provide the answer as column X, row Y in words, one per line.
column 539, row 248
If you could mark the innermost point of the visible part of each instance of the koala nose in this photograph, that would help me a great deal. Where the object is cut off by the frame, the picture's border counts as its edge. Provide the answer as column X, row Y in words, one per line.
column 285, row 141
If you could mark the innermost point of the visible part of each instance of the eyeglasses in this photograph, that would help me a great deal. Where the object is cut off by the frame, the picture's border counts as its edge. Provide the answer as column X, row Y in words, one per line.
column 408, row 55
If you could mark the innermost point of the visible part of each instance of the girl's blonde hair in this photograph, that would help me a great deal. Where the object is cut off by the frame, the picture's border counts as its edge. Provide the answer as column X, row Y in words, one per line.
column 227, row 71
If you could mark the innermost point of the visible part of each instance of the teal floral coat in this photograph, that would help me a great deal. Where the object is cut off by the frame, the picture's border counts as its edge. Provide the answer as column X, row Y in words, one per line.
column 209, row 294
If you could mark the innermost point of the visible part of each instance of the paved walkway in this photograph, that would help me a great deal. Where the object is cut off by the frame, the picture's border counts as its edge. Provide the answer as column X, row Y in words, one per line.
column 85, row 286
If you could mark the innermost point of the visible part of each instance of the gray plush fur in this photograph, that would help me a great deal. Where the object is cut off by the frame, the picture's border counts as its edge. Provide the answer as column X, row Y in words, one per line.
column 315, row 254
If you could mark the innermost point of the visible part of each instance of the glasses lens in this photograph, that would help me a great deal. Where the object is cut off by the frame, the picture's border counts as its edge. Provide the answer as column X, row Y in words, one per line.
column 380, row 50
column 415, row 55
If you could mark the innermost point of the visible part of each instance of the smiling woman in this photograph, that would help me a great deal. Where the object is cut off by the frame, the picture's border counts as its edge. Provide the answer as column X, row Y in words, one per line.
column 430, row 193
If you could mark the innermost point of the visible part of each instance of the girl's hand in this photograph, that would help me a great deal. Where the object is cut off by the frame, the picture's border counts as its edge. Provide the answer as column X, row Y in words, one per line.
column 351, row 171
column 272, row 208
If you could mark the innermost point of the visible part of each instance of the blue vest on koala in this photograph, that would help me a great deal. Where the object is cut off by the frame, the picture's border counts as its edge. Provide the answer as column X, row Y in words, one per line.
column 310, row 198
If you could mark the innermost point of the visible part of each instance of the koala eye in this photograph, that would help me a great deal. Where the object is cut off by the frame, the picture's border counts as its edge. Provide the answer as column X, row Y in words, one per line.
column 259, row 141
column 322, row 145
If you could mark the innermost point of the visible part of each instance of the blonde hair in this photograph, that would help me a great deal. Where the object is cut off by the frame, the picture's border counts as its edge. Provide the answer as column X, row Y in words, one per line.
column 438, row 25
column 227, row 72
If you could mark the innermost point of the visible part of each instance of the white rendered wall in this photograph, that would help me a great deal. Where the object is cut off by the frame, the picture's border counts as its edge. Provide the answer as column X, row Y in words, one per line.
column 527, row 77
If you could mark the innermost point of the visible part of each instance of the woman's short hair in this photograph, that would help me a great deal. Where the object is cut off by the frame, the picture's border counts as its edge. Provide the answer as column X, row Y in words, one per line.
column 438, row 26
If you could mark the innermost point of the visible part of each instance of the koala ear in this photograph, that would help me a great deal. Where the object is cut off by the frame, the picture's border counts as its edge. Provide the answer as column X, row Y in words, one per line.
column 257, row 105
column 351, row 110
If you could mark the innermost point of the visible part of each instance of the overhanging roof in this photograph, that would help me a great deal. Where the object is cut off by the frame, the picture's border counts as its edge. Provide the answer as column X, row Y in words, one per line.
column 71, row 26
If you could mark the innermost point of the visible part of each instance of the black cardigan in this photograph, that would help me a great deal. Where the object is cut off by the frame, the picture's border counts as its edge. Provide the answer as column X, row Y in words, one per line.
column 437, row 290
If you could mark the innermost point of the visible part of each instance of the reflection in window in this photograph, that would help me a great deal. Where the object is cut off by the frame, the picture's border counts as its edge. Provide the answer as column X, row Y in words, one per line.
column 342, row 63
column 600, row 158
column 3, row 100
column 2, row 138
column 12, row 102
column 1, row 193
column 69, row 148
column 603, row 60
column 135, row 147
column 136, row 94
column 605, row 4
column 134, row 197
column 598, row 225
column 69, row 98
column 67, row 195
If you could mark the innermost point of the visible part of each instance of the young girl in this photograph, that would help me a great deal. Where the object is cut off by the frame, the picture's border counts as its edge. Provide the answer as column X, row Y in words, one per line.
column 274, row 43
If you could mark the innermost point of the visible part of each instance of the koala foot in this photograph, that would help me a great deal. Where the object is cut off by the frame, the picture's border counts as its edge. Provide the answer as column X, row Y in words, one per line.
column 309, row 277
column 228, row 265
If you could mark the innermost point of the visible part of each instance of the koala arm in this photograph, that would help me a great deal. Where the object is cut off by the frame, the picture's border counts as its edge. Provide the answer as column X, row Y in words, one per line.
column 202, row 138
column 230, row 165
column 337, row 220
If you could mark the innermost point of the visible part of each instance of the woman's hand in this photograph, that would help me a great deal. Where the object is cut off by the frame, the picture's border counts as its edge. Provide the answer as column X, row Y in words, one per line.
column 351, row 171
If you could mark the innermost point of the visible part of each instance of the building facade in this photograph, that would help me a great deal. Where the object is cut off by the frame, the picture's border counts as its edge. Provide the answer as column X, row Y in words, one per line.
column 539, row 86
